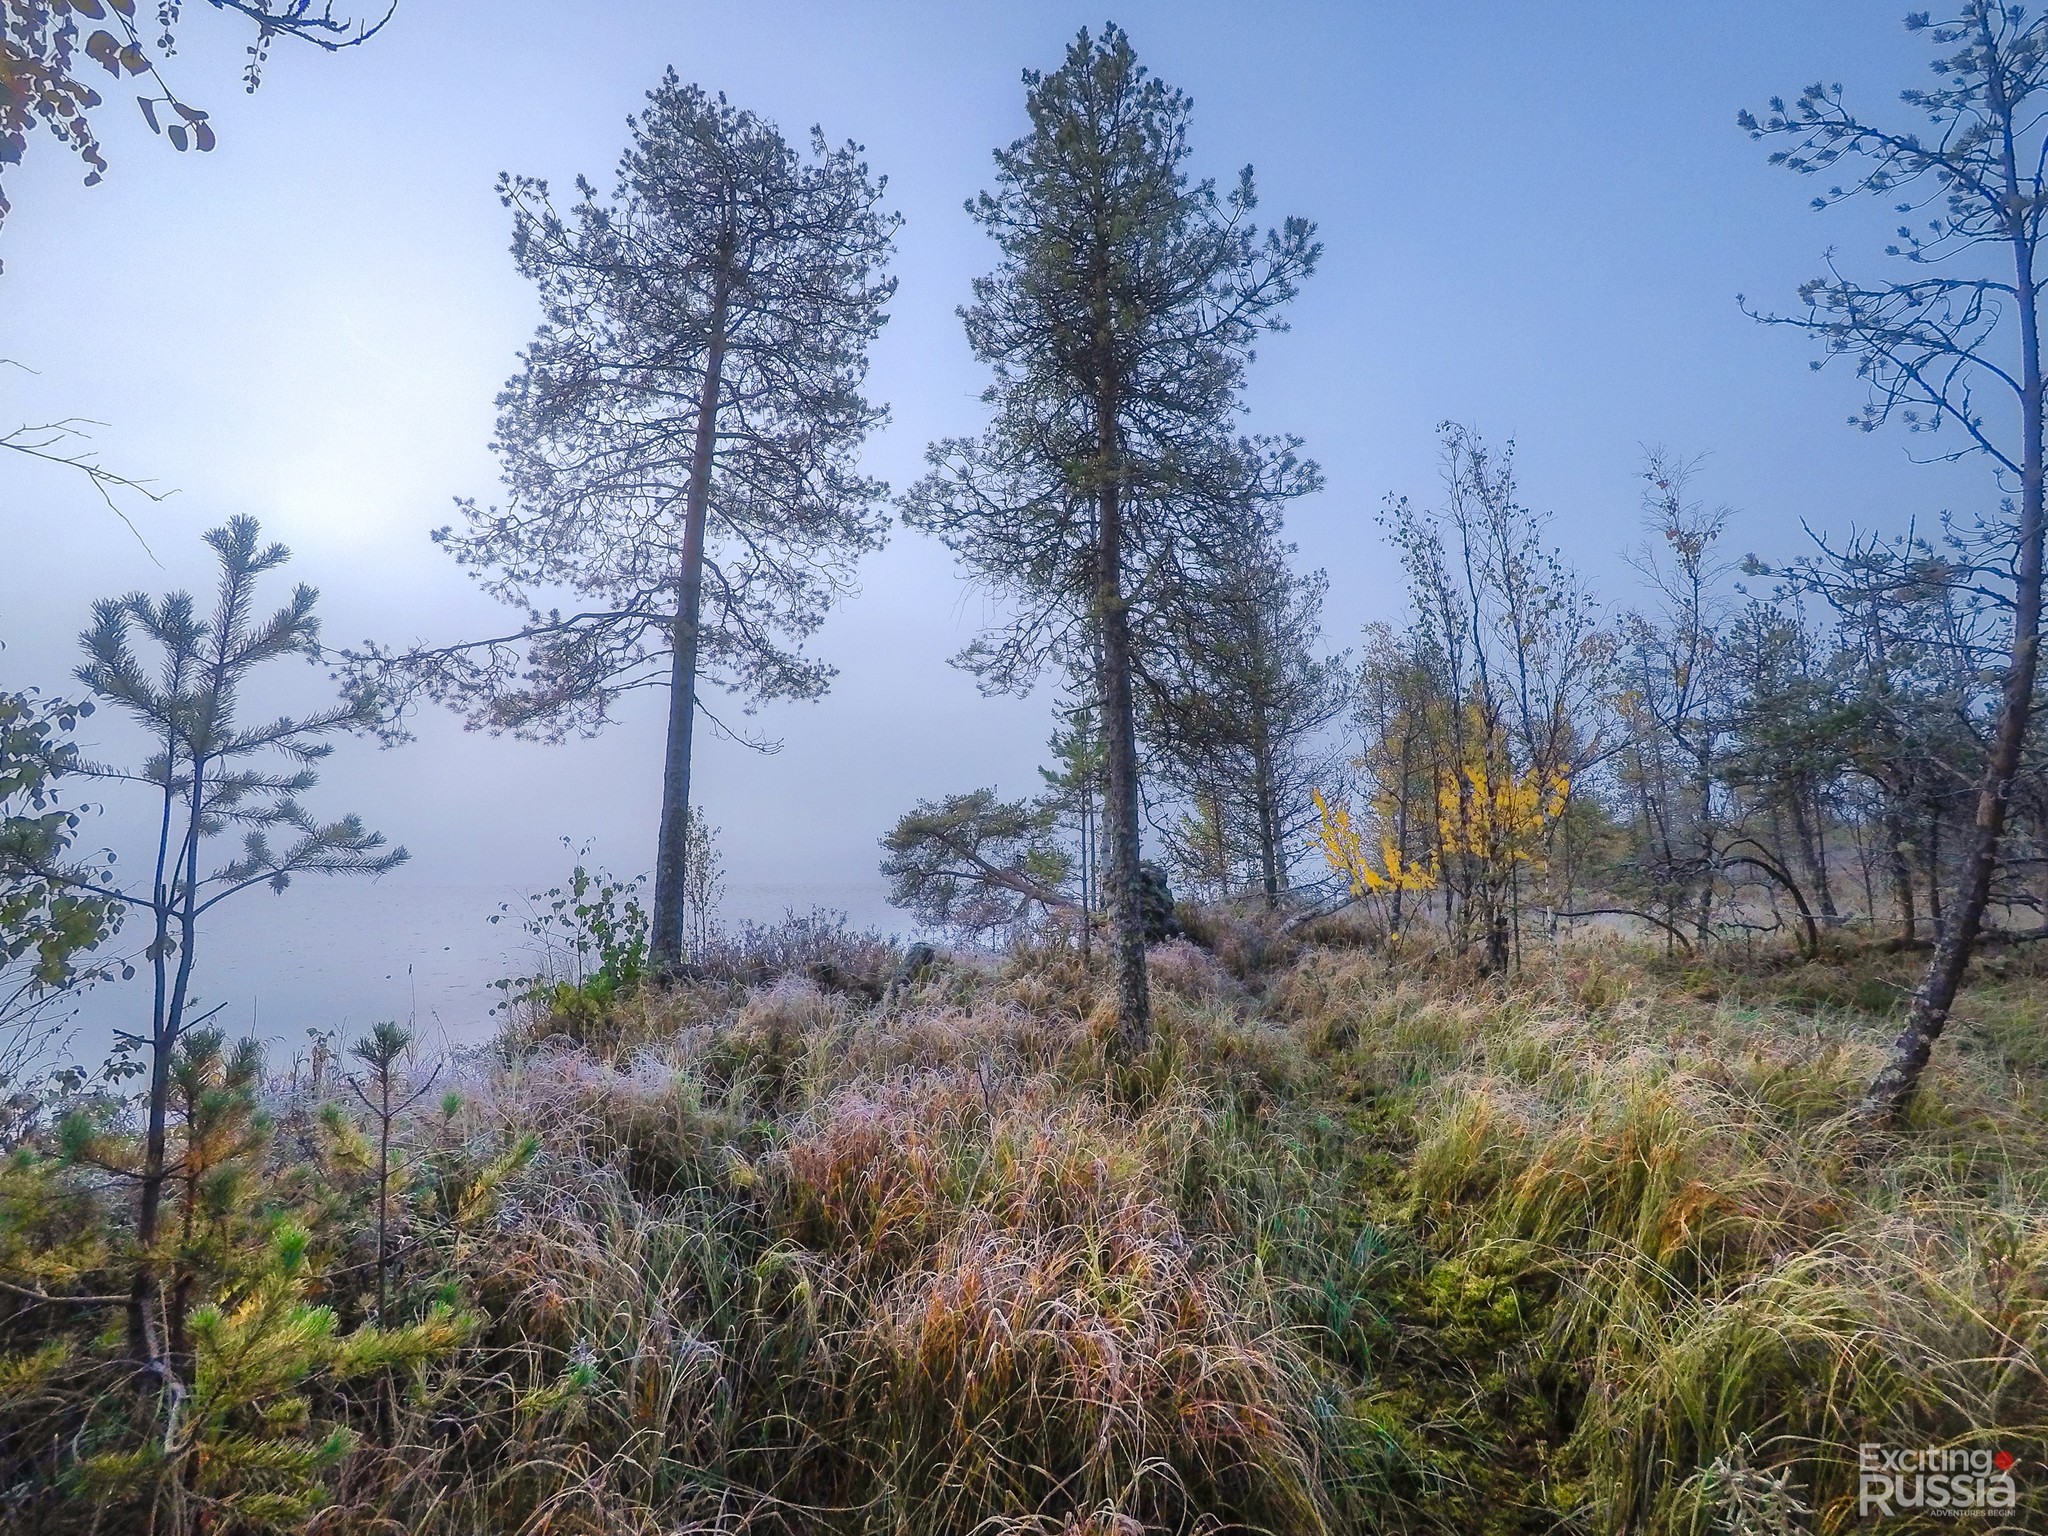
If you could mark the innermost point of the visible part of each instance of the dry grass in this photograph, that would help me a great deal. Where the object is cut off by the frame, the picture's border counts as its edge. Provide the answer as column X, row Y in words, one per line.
column 837, row 1269
column 1364, row 1244
column 1647, row 1203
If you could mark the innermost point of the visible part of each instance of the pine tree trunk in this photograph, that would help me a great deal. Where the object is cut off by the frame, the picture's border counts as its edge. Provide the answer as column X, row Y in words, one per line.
column 1269, row 824
column 142, row 1344
column 145, row 1296
column 671, row 858
column 384, row 1197
column 1120, row 810
column 149, row 1194
column 1892, row 1090
column 1087, row 877
column 1934, row 913
column 1863, row 866
column 1813, row 844
column 1708, row 854
column 1903, row 897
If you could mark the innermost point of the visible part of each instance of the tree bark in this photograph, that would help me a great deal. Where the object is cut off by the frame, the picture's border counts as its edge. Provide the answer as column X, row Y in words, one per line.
column 1812, row 830
column 1497, row 940
column 671, row 858
column 1122, row 888
column 1934, row 912
column 141, row 1345
column 1704, row 928
column 1891, row 1091
column 178, row 896
column 1269, row 823
column 1087, row 876
column 1903, row 897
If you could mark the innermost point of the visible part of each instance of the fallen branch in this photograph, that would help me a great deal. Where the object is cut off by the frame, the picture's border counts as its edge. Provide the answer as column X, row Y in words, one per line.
column 1655, row 922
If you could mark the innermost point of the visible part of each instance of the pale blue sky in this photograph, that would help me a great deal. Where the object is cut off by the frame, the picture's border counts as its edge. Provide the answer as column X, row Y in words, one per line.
column 1536, row 220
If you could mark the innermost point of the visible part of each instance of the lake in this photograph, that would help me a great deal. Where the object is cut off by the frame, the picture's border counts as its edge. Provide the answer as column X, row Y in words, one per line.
column 341, row 955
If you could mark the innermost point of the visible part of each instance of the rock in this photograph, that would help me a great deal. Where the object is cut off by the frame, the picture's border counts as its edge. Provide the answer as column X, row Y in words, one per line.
column 828, row 976
column 1155, row 905
column 918, row 959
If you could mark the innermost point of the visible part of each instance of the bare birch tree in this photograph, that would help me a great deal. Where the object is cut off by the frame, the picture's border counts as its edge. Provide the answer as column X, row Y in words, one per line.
column 1955, row 350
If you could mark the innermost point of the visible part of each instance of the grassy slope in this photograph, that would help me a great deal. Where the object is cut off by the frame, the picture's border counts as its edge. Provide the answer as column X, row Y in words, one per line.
column 1365, row 1244
column 1370, row 1247
column 1654, row 1285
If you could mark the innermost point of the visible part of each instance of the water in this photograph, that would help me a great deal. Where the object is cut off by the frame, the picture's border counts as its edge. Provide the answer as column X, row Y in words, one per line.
column 341, row 955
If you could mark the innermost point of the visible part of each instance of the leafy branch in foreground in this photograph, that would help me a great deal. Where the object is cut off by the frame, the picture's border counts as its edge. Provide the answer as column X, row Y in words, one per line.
column 48, row 927
column 48, row 61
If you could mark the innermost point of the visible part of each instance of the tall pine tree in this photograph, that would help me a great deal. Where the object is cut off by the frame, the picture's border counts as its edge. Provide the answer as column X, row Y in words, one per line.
column 680, row 446
column 1118, row 324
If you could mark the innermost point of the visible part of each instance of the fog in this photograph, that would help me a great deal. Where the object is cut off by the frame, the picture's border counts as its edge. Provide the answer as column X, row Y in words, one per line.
column 310, row 324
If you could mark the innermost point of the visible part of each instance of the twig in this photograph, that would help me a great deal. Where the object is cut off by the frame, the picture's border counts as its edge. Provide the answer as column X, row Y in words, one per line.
column 71, row 1301
column 38, row 441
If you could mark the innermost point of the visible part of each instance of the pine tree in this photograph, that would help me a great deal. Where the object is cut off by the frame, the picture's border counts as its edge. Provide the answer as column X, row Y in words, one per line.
column 1118, row 325
column 976, row 863
column 679, row 449
column 1235, row 704
column 210, row 773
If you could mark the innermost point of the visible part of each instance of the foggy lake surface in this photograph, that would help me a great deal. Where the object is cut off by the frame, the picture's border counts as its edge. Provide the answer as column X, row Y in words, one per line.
column 341, row 955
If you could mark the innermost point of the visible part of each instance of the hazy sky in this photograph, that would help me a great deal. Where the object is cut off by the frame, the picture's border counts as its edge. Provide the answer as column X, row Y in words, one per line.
column 1536, row 217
